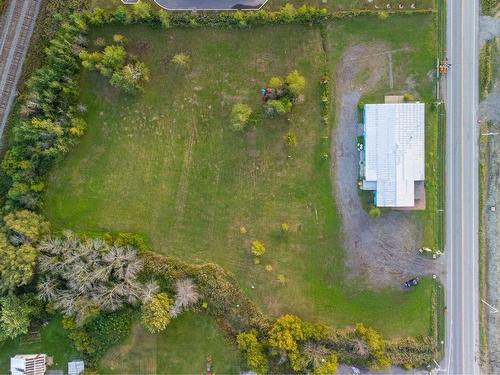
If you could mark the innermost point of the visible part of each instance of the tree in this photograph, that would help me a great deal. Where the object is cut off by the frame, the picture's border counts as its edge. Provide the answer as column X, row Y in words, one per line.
column 286, row 332
column 296, row 83
column 182, row 59
column 186, row 296
column 253, row 352
column 258, row 248
column 17, row 264
column 376, row 347
column 25, row 226
column 290, row 139
column 113, row 58
column 85, row 276
column 131, row 78
column 15, row 314
column 240, row 116
column 285, row 335
column 164, row 17
column 156, row 313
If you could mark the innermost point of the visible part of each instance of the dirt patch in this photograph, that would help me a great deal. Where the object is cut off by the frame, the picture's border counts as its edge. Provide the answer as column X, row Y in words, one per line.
column 382, row 251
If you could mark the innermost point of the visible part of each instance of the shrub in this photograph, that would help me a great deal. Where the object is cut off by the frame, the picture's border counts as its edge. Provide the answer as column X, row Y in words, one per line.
column 296, row 83
column 279, row 107
column 258, row 248
column 374, row 212
column 131, row 78
column 408, row 97
column 106, row 330
column 131, row 239
column 290, row 139
column 329, row 366
column 276, row 83
column 182, row 59
column 253, row 352
column 240, row 116
column 383, row 15
column 156, row 313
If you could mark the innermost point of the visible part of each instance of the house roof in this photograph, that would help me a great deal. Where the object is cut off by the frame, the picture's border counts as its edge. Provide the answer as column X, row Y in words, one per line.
column 395, row 151
column 75, row 367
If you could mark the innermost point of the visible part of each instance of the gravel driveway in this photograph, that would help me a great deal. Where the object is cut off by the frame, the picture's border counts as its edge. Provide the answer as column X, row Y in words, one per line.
column 382, row 251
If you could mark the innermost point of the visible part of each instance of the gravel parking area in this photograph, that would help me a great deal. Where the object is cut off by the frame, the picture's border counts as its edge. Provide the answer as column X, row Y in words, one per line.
column 381, row 251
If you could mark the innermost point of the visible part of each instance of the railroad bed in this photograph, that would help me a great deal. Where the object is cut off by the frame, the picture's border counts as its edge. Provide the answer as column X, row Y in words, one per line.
column 16, row 28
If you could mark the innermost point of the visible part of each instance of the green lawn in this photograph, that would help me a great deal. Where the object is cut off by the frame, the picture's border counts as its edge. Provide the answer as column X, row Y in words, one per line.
column 166, row 165
column 183, row 348
column 52, row 340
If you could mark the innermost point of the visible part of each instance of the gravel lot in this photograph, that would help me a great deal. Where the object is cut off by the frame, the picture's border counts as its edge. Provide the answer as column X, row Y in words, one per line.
column 382, row 251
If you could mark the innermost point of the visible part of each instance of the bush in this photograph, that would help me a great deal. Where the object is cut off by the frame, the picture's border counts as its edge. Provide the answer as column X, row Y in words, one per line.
column 408, row 97
column 253, row 351
column 131, row 239
column 296, row 83
column 156, row 313
column 258, row 248
column 240, row 116
column 374, row 212
column 290, row 139
column 182, row 59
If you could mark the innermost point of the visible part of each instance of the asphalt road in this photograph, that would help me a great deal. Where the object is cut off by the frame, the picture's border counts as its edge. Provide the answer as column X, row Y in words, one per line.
column 462, row 196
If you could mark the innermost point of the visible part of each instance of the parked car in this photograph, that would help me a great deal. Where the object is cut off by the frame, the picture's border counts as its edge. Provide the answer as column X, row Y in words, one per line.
column 411, row 282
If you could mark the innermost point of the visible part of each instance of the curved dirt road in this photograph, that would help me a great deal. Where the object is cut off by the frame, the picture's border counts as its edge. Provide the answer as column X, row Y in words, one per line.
column 382, row 251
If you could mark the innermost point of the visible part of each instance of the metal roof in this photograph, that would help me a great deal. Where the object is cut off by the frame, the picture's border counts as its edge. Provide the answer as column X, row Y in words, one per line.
column 395, row 151
column 75, row 367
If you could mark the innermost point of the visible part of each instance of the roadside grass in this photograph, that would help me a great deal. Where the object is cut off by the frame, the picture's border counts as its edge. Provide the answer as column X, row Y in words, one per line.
column 166, row 165
column 339, row 5
column 485, row 69
column 53, row 341
column 183, row 348
column 484, row 151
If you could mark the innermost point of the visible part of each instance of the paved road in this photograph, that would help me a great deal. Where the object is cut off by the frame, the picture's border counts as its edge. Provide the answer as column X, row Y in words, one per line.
column 462, row 198
column 16, row 28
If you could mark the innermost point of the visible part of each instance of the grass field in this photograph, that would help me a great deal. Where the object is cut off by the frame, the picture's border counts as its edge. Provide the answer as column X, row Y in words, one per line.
column 52, row 340
column 182, row 349
column 166, row 165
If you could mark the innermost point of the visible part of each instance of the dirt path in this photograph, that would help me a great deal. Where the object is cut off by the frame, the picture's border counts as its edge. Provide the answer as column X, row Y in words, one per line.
column 381, row 251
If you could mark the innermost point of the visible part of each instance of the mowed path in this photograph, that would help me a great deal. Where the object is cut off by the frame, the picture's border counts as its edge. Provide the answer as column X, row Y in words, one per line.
column 16, row 28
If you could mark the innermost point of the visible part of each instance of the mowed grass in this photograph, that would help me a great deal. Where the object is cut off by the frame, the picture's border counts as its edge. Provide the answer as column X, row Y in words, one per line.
column 51, row 340
column 183, row 348
column 165, row 164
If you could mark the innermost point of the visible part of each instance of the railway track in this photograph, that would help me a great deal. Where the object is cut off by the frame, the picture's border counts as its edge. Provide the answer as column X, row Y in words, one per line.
column 16, row 28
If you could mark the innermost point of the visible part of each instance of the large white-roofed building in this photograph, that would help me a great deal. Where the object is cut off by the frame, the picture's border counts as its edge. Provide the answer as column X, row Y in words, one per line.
column 394, row 153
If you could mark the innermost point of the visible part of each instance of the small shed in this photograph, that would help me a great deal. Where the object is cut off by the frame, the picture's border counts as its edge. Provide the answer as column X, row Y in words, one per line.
column 76, row 367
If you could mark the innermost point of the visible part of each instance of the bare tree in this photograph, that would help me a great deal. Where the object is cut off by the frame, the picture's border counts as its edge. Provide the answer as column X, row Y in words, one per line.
column 83, row 276
column 186, row 296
